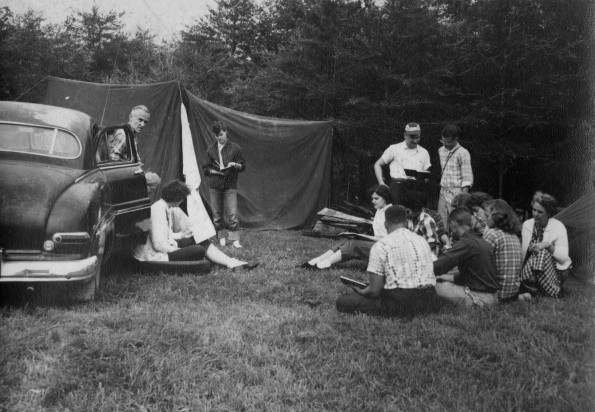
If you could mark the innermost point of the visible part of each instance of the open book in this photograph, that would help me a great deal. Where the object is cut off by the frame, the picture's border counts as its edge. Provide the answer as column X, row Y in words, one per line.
column 424, row 174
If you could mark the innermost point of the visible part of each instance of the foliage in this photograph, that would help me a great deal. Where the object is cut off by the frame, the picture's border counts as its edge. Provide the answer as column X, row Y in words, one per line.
column 271, row 339
column 512, row 73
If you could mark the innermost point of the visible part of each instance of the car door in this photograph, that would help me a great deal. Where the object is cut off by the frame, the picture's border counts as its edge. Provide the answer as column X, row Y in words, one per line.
column 125, row 176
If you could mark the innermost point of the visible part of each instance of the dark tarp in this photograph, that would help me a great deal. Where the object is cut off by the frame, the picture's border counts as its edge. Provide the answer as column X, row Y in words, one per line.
column 160, row 143
column 287, row 176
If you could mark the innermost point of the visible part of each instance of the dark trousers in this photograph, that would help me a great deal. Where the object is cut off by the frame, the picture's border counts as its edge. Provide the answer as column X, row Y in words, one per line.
column 189, row 250
column 398, row 188
column 392, row 302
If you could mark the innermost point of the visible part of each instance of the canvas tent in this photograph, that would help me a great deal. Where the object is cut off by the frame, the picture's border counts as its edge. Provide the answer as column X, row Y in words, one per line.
column 287, row 178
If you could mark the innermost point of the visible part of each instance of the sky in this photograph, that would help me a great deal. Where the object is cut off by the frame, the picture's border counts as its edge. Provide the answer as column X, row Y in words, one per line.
column 165, row 18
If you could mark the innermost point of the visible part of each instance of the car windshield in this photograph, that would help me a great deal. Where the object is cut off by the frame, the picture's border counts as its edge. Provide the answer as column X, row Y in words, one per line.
column 44, row 141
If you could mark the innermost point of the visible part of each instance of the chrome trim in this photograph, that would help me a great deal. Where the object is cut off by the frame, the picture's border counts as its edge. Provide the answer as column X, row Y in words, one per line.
column 108, row 166
column 71, row 237
column 48, row 271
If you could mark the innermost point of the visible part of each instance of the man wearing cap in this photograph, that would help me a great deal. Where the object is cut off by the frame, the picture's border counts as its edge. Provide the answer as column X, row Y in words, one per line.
column 455, row 166
column 405, row 155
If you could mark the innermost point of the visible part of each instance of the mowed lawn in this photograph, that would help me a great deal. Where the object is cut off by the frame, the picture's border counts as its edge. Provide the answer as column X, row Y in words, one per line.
column 271, row 340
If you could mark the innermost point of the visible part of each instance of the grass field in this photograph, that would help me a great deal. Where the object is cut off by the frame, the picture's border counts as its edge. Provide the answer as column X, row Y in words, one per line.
column 271, row 340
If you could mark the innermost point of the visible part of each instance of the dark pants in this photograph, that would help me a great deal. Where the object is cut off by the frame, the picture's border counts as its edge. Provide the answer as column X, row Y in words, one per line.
column 392, row 303
column 189, row 250
column 354, row 249
column 399, row 187
column 224, row 203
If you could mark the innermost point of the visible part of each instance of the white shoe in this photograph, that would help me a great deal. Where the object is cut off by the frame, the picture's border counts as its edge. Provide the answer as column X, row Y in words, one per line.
column 236, row 244
column 523, row 297
column 222, row 241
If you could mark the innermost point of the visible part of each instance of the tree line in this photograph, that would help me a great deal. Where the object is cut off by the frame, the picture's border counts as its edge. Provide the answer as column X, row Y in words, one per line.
column 514, row 74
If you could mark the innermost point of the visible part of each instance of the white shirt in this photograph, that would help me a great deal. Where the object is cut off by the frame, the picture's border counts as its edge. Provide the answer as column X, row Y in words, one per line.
column 399, row 157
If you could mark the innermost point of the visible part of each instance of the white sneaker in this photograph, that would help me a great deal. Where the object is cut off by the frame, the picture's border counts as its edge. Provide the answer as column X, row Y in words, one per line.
column 523, row 297
column 222, row 241
column 236, row 244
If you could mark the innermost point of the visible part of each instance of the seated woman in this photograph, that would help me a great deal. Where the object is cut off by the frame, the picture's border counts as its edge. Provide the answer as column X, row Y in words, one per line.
column 355, row 248
column 503, row 230
column 545, row 250
column 163, row 244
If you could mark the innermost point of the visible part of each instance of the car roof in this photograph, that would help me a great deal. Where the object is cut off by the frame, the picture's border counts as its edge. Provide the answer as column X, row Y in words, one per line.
column 77, row 122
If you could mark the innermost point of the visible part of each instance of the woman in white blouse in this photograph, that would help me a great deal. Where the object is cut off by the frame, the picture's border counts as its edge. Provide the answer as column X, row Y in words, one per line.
column 166, row 244
column 353, row 248
column 545, row 249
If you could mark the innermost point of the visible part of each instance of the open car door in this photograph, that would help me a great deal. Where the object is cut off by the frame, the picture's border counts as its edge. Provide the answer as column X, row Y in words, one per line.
column 118, row 160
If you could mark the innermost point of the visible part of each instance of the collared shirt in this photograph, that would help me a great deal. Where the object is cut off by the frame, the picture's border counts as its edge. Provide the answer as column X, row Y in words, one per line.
column 457, row 172
column 231, row 152
column 118, row 147
column 378, row 222
column 475, row 259
column 425, row 226
column 404, row 259
column 399, row 157
column 507, row 251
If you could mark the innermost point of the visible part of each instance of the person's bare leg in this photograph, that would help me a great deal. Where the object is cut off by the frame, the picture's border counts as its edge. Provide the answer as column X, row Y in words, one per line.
column 220, row 258
column 324, row 256
column 330, row 261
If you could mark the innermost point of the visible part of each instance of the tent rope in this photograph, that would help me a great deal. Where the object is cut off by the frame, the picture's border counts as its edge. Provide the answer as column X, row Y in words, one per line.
column 32, row 87
column 109, row 88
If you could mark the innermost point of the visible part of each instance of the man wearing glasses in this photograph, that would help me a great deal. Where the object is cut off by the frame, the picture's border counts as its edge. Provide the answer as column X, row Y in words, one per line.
column 455, row 165
column 224, row 162
column 404, row 160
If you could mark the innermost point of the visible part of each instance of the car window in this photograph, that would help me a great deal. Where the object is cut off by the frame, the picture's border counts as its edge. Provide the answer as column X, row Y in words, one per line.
column 114, row 146
column 42, row 141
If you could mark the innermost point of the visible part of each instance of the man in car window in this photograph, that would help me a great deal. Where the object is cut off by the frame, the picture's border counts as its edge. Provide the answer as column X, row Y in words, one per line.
column 119, row 150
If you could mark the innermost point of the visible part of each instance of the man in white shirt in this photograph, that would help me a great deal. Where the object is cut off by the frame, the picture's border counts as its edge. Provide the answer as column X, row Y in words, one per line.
column 407, row 154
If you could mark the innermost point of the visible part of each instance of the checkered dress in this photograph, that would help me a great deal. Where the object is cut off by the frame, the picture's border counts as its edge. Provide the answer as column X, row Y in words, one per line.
column 509, row 258
column 542, row 266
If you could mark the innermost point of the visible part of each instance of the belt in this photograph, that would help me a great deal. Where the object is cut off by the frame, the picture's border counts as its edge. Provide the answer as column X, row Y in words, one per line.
column 400, row 180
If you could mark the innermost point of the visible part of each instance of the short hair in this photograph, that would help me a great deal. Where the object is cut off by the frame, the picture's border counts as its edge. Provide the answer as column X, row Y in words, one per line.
column 548, row 202
column 535, row 194
column 461, row 200
column 461, row 216
column 478, row 199
column 395, row 214
column 175, row 191
column 503, row 216
column 218, row 126
column 140, row 108
column 383, row 191
column 451, row 130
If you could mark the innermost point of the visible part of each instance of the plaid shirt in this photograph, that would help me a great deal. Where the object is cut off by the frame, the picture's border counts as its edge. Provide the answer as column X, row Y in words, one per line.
column 509, row 258
column 457, row 173
column 118, row 145
column 425, row 227
column 404, row 259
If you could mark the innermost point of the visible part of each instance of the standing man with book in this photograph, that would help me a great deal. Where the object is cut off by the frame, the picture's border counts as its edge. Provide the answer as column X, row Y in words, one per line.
column 224, row 162
column 455, row 164
column 406, row 155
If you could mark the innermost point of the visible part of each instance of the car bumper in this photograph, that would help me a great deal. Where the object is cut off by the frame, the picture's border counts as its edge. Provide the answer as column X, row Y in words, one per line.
column 49, row 271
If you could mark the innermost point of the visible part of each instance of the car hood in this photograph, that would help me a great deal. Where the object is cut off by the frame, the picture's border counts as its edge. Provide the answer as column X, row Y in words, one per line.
column 27, row 194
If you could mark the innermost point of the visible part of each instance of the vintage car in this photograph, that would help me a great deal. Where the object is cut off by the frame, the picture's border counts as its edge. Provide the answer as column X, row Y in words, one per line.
column 64, row 205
